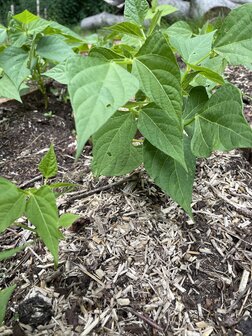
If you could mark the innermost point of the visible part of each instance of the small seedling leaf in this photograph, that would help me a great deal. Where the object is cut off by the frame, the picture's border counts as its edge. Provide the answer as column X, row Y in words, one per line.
column 48, row 165
column 67, row 219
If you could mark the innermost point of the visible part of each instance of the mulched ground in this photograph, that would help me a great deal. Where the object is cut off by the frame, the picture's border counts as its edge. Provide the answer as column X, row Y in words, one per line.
column 133, row 264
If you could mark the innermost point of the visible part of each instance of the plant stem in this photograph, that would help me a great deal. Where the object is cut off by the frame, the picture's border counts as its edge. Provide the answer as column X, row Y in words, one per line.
column 124, row 61
column 41, row 85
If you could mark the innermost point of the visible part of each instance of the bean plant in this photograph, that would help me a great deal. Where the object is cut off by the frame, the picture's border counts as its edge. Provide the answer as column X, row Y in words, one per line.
column 133, row 99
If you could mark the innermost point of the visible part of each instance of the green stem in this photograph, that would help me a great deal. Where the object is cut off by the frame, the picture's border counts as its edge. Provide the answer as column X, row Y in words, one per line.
column 189, row 122
column 25, row 227
column 124, row 61
column 203, row 58
column 41, row 85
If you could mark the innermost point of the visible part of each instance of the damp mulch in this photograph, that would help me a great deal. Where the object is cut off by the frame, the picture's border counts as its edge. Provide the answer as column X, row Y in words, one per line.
column 134, row 263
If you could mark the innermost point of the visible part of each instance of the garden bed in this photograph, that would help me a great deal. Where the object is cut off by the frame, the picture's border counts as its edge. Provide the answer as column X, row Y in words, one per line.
column 133, row 264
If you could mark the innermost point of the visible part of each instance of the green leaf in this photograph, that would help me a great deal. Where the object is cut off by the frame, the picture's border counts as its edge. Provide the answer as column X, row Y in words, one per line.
column 169, row 175
column 97, row 90
column 155, row 21
column 6, row 254
column 37, row 26
column 42, row 212
column 195, row 102
column 157, row 70
column 180, row 29
column 104, row 53
column 221, row 124
column 192, row 50
column 161, row 131
column 54, row 48
column 8, row 89
column 113, row 152
column 65, row 31
column 48, row 165
column 5, row 295
column 3, row 34
column 164, row 9
column 67, row 219
column 187, row 79
column 14, row 60
column 208, row 73
column 136, row 10
column 12, row 203
column 58, row 73
column 234, row 38
column 128, row 28
column 25, row 17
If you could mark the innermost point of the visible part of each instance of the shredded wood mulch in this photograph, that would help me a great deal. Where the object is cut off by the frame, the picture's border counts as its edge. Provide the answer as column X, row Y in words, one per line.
column 134, row 263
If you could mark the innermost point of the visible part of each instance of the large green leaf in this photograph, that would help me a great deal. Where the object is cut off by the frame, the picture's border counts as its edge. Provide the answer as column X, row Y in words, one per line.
column 128, row 28
column 161, row 131
column 194, row 49
column 3, row 34
column 208, row 73
column 234, row 38
column 54, row 48
column 194, row 103
column 5, row 295
column 113, row 152
column 58, row 73
column 65, row 31
column 48, row 165
column 37, row 26
column 42, row 211
column 136, row 10
column 221, row 124
column 8, row 89
column 97, row 90
column 14, row 60
column 169, row 175
column 12, row 203
column 180, row 28
column 159, row 76
column 25, row 17
column 104, row 53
